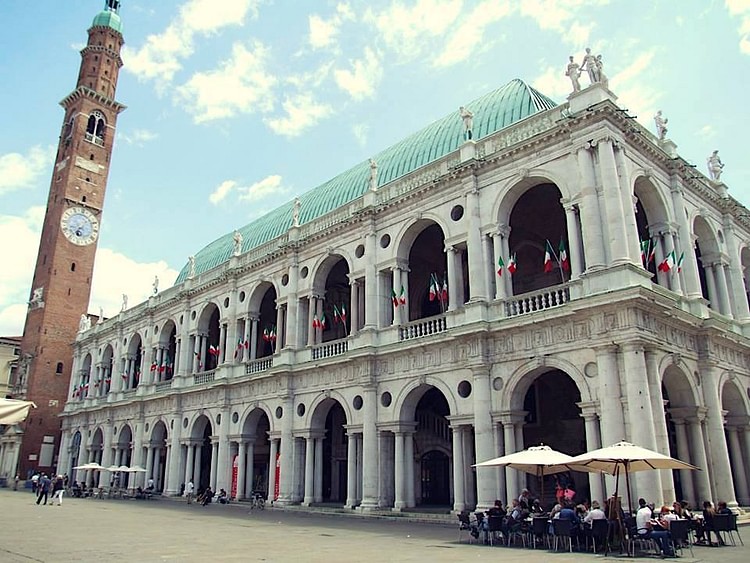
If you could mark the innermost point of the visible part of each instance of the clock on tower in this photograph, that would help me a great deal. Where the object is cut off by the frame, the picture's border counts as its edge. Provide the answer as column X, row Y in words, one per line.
column 62, row 277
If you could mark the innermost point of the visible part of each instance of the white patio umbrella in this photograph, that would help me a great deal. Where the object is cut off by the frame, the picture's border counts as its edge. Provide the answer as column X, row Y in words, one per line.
column 113, row 468
column 137, row 469
column 538, row 460
column 92, row 465
column 624, row 457
column 13, row 411
column 124, row 469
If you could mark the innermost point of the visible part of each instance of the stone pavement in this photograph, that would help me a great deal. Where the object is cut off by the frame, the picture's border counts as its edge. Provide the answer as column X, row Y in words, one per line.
column 145, row 531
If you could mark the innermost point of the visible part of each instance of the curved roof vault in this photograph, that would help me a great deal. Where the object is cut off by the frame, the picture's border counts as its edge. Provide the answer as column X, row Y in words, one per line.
column 494, row 111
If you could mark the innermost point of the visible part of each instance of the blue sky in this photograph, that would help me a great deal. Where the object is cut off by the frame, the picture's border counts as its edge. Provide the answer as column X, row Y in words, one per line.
column 236, row 106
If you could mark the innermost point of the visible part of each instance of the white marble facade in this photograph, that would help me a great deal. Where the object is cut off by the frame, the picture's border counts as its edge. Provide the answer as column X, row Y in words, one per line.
column 390, row 408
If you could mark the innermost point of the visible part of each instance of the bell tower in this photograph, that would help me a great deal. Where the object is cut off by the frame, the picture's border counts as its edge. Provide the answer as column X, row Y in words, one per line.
column 61, row 285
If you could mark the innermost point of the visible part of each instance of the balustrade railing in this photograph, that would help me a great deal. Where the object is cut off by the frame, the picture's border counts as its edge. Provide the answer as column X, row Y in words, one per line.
column 537, row 301
column 329, row 349
column 162, row 386
column 261, row 364
column 204, row 377
column 422, row 327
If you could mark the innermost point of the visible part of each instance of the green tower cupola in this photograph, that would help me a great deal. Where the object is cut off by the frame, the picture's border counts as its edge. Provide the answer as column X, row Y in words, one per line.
column 109, row 16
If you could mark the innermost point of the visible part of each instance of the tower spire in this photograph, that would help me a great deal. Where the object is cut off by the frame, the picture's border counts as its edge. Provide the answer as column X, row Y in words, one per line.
column 112, row 5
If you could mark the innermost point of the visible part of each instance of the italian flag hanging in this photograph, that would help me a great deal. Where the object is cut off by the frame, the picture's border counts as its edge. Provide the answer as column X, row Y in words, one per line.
column 679, row 262
column 336, row 314
column 564, row 260
column 668, row 263
column 394, row 297
column 323, row 322
column 500, row 266
column 316, row 321
column 434, row 289
column 342, row 313
column 512, row 264
column 402, row 296
column 547, row 259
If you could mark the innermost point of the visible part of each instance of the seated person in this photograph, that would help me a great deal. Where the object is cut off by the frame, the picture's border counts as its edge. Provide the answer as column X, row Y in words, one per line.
column 568, row 512
column 722, row 508
column 208, row 494
column 495, row 510
column 596, row 513
column 514, row 519
column 655, row 528
column 705, row 526
column 76, row 488
column 525, row 499
column 139, row 493
column 222, row 497
column 536, row 508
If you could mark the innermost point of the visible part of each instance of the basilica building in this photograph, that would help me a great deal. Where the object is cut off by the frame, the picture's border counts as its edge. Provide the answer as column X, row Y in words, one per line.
column 518, row 272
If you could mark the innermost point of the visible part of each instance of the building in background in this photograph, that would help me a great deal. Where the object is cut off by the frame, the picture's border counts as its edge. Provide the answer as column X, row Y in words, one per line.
column 10, row 347
column 516, row 273
column 59, row 296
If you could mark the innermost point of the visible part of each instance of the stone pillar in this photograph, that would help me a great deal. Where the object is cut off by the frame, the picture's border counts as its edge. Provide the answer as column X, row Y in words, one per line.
column 272, row 470
column 738, row 464
column 224, row 459
column 588, row 412
column 351, row 470
column 690, row 264
column 318, row 469
column 698, row 444
column 477, row 266
column 198, row 465
column 400, row 472
column 293, row 325
column 612, row 421
column 501, row 291
column 450, row 257
column 574, row 240
column 254, row 337
column 683, row 453
column 173, row 467
column 409, row 459
column 397, row 311
column 287, row 452
column 309, row 471
column 737, row 283
column 279, row 329
column 640, row 414
column 717, row 442
column 459, row 499
column 371, row 279
column 354, row 306
column 370, row 454
column 660, row 425
column 617, row 235
column 591, row 216
column 722, row 289
column 213, row 479
column 511, row 476
column 483, row 436
column 632, row 240
column 500, row 449
column 241, row 468
column 149, row 462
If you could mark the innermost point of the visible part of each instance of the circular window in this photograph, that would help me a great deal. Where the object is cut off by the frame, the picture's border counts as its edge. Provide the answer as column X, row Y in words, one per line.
column 226, row 302
column 464, row 389
column 386, row 399
column 184, row 422
column 218, row 419
column 235, row 417
column 497, row 383
column 279, row 412
column 357, row 402
column 457, row 212
column 242, row 296
column 285, row 280
column 301, row 409
column 359, row 252
column 147, row 427
column 385, row 240
column 192, row 315
column 590, row 369
column 303, row 272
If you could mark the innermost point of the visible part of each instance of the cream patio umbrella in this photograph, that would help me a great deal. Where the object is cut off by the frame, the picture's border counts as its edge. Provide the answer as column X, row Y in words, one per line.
column 624, row 457
column 538, row 460
column 13, row 411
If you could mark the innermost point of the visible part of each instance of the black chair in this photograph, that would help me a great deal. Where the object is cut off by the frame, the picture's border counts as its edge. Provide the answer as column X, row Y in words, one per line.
column 722, row 524
column 540, row 531
column 679, row 531
column 562, row 531
column 600, row 533
column 464, row 523
column 642, row 542
column 494, row 527
column 733, row 529
column 479, row 516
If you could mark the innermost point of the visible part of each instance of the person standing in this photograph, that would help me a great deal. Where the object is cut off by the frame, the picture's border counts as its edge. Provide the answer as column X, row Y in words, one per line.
column 43, row 488
column 189, row 488
column 58, row 488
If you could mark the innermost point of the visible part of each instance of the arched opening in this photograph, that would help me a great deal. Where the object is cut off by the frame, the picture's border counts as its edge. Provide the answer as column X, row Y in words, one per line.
column 744, row 265
column 124, row 456
column 84, row 378
column 202, row 454
column 428, row 272
column 553, row 418
column 267, row 333
column 707, row 254
column 735, row 428
column 536, row 222
column 75, row 454
column 336, row 306
column 679, row 396
column 156, row 462
column 167, row 351
column 105, row 383
column 208, row 329
column 329, row 421
column 132, row 372
column 258, row 451
column 432, row 449
column 97, row 451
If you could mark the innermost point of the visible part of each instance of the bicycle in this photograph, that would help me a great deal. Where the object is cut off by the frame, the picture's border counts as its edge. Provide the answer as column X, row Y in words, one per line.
column 257, row 501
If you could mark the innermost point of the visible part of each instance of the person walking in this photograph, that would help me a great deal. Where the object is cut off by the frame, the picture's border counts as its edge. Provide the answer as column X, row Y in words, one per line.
column 189, row 488
column 43, row 488
column 58, row 488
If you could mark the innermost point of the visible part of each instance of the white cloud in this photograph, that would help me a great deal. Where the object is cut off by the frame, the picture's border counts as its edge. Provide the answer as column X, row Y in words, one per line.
column 707, row 132
column 366, row 73
column 271, row 185
column 302, row 112
column 241, row 84
column 222, row 191
column 323, row 32
column 18, row 171
column 360, row 131
column 138, row 137
column 553, row 83
column 160, row 58
column 406, row 29
column 633, row 87
column 563, row 17
column 741, row 9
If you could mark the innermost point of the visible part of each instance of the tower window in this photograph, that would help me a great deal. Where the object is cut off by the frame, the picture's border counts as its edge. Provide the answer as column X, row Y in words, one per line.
column 95, row 128
column 68, row 291
column 73, row 267
column 59, row 368
column 83, row 199
column 91, row 157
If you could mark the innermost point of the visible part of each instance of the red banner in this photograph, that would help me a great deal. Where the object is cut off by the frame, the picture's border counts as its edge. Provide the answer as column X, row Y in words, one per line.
column 278, row 474
column 235, row 471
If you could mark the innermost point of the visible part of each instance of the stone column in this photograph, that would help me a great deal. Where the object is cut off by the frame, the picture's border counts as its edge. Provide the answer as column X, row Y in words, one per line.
column 511, row 476
column 640, row 415
column 370, row 454
column 739, row 298
column 318, row 491
column 371, row 278
column 574, row 240
column 689, row 265
column 293, row 325
column 632, row 239
column 700, row 459
column 287, row 453
column 400, row 472
column 198, row 466
column 409, row 459
column 683, row 453
column 173, row 467
column 717, row 442
column 254, row 337
column 500, row 450
column 483, row 436
column 459, row 499
column 351, row 470
column 214, row 462
column 617, row 235
column 241, row 468
column 279, row 329
column 591, row 421
column 660, row 424
column 354, row 306
column 612, row 421
column 224, row 459
column 501, row 291
column 397, row 311
column 477, row 266
column 309, row 471
column 591, row 216
column 738, row 464
column 272, row 470
column 149, row 462
column 450, row 256
column 721, row 286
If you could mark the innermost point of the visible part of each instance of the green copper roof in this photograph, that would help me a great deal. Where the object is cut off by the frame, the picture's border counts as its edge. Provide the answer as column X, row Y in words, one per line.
column 492, row 112
column 108, row 18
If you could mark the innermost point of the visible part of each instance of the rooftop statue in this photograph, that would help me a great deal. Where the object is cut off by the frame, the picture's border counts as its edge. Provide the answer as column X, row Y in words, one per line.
column 155, row 285
column 590, row 65
column 101, row 316
column 124, row 301
column 468, row 119
column 84, row 324
column 373, row 175
column 191, row 267
column 295, row 212
column 600, row 72
column 715, row 166
column 573, row 72
column 237, row 238
column 661, row 125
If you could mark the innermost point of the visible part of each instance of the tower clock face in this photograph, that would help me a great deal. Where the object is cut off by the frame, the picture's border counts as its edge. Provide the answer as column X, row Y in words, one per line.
column 79, row 226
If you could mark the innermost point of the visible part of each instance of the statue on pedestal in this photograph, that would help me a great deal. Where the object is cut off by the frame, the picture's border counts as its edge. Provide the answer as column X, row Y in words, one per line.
column 573, row 72
column 295, row 212
column 84, row 323
column 101, row 316
column 124, row 302
column 468, row 119
column 155, row 285
column 191, row 267
column 661, row 125
column 600, row 72
column 590, row 65
column 237, row 238
column 715, row 166
column 373, row 175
